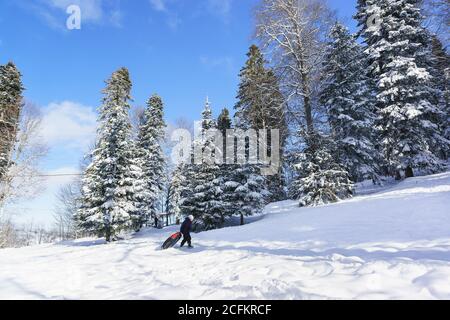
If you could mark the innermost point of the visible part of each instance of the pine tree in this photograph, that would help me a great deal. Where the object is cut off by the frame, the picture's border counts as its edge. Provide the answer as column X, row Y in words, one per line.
column 348, row 96
column 321, row 180
column 244, row 192
column 151, row 159
column 224, row 125
column 201, row 192
column 369, row 14
column 406, row 102
column 224, row 121
column 243, row 187
column 112, row 181
column 11, row 89
column 441, row 78
column 261, row 106
column 175, row 190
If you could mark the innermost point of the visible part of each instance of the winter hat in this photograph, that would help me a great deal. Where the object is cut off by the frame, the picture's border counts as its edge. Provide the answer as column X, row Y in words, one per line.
column 191, row 217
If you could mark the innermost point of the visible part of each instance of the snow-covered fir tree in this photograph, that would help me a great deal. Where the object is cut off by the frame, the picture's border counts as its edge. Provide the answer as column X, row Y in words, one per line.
column 151, row 159
column 243, row 188
column 224, row 125
column 224, row 121
column 399, row 54
column 261, row 106
column 441, row 78
column 201, row 192
column 112, row 181
column 244, row 192
column 348, row 96
column 260, row 103
column 174, row 193
column 320, row 179
column 369, row 14
column 11, row 89
column 208, row 122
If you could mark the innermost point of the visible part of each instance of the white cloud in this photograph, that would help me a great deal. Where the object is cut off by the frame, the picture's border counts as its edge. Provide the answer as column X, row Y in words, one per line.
column 173, row 21
column 162, row 6
column 69, row 123
column 159, row 5
column 91, row 10
column 53, row 12
column 221, row 8
column 116, row 18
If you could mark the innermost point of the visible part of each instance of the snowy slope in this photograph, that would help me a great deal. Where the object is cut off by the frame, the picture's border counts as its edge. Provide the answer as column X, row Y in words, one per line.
column 394, row 244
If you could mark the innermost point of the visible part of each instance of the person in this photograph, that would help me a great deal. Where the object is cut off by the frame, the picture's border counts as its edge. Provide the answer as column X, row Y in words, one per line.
column 186, row 231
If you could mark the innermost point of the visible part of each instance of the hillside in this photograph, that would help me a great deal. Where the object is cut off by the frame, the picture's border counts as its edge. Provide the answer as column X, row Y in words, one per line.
column 393, row 244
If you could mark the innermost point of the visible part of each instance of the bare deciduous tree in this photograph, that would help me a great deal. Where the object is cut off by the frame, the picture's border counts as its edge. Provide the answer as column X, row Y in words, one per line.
column 23, row 180
column 292, row 35
column 437, row 14
column 68, row 204
column 8, row 236
column 137, row 119
column 13, row 236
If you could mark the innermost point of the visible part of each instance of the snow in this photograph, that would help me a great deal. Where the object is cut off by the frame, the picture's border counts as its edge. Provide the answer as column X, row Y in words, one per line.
column 392, row 244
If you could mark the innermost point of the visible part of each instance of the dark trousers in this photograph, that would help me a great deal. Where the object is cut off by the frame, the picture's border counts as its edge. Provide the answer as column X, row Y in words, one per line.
column 186, row 238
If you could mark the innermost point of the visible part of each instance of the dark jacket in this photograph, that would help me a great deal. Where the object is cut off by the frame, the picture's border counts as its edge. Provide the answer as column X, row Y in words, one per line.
column 186, row 226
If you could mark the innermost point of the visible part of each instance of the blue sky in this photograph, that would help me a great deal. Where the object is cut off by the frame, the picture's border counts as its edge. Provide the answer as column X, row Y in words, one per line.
column 180, row 49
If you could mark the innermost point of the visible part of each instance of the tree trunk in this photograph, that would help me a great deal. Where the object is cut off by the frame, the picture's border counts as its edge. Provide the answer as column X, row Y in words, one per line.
column 242, row 220
column 308, row 114
column 108, row 234
column 304, row 78
column 409, row 173
column 398, row 176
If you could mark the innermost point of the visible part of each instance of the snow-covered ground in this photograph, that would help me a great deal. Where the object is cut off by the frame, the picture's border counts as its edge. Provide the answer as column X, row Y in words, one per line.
column 394, row 244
